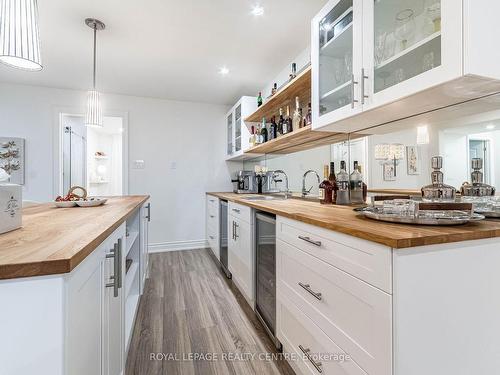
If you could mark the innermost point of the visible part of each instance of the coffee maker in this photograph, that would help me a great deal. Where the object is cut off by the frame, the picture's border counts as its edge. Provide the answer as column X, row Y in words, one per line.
column 245, row 182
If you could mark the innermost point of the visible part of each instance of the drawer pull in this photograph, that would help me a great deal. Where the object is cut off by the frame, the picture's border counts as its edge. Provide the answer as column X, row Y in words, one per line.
column 236, row 210
column 317, row 365
column 212, row 216
column 307, row 287
column 307, row 239
column 212, row 237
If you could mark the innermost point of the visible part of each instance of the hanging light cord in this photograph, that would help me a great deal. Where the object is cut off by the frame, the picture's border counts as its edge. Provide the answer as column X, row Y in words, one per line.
column 95, row 47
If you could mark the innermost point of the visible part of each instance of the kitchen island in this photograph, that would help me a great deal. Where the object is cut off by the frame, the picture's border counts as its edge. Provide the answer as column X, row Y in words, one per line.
column 73, row 277
column 393, row 299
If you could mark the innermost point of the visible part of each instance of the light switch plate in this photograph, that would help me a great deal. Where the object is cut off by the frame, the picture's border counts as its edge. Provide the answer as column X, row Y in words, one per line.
column 139, row 164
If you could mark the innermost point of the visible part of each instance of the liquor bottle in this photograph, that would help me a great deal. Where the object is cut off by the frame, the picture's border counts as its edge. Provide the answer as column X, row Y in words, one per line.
column 297, row 116
column 273, row 128
column 263, row 131
column 289, row 122
column 293, row 74
column 343, row 185
column 309, row 115
column 326, row 188
column 259, row 99
column 274, row 89
column 252, row 136
column 257, row 136
column 333, row 179
column 281, row 123
column 356, row 185
column 365, row 187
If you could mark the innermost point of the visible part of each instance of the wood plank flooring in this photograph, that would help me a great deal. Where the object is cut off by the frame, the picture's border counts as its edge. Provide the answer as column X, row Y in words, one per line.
column 190, row 308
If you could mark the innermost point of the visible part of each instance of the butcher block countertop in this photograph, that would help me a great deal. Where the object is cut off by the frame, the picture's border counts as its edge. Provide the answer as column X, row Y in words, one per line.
column 55, row 240
column 343, row 219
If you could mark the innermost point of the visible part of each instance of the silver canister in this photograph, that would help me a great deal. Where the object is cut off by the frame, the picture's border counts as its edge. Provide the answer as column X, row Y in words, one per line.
column 438, row 191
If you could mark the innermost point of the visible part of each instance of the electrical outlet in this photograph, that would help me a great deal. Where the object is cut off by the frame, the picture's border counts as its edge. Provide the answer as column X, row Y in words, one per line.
column 138, row 164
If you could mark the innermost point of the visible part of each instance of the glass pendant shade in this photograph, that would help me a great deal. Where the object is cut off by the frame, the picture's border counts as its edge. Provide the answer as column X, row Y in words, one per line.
column 93, row 116
column 19, row 36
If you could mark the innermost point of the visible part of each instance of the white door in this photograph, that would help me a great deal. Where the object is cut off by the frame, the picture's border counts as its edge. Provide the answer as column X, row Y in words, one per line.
column 409, row 46
column 113, row 309
column 230, row 133
column 336, row 58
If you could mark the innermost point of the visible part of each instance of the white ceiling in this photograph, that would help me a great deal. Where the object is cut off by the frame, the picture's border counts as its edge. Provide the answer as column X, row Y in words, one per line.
column 169, row 49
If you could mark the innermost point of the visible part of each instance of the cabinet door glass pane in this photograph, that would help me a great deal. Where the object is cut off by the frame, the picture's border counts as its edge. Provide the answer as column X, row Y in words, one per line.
column 237, row 129
column 230, row 134
column 407, row 40
column 335, row 58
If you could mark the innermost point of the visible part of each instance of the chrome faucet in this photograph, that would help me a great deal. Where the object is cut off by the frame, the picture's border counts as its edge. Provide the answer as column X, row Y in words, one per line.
column 305, row 192
column 276, row 173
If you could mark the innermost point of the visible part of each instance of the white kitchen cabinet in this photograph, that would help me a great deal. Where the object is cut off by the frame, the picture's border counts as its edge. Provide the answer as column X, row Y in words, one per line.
column 241, row 254
column 237, row 132
column 399, row 59
column 213, row 224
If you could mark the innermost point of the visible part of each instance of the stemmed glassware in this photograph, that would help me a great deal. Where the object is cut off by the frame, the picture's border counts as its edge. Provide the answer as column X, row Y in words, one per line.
column 405, row 27
column 380, row 43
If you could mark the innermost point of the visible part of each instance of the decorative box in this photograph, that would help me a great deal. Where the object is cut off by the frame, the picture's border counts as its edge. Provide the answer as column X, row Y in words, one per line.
column 10, row 207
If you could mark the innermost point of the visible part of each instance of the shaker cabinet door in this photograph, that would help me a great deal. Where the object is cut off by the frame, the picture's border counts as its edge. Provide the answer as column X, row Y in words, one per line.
column 409, row 46
column 336, row 58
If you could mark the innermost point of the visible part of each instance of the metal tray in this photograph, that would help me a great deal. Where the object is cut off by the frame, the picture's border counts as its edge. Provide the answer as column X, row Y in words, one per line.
column 439, row 218
column 491, row 214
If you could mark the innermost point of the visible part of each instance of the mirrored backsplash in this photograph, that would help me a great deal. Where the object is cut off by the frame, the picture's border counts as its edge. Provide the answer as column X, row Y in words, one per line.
column 399, row 156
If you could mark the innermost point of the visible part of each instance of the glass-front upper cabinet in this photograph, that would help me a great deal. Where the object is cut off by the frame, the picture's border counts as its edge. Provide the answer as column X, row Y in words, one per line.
column 237, row 128
column 409, row 45
column 229, row 133
column 336, row 57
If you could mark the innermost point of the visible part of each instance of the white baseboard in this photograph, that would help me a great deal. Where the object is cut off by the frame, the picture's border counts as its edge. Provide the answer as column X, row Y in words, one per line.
column 177, row 245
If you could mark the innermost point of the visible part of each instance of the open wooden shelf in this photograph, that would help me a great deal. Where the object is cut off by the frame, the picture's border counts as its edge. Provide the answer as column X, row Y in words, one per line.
column 300, row 86
column 299, row 140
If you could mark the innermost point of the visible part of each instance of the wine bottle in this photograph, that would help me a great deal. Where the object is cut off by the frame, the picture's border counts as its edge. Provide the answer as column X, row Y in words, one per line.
column 356, row 181
column 309, row 115
column 252, row 136
column 257, row 136
column 326, row 188
column 259, row 99
column 343, row 185
column 281, row 123
column 263, row 131
column 289, row 122
column 297, row 116
column 333, row 179
column 293, row 74
column 365, row 186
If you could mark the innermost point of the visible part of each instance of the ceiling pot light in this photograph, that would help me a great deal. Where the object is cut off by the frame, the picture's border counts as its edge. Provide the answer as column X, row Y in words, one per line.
column 93, row 115
column 19, row 36
column 490, row 127
column 224, row 71
column 257, row 10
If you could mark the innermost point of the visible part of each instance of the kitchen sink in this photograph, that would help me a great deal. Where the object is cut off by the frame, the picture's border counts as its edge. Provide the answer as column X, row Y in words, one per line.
column 265, row 198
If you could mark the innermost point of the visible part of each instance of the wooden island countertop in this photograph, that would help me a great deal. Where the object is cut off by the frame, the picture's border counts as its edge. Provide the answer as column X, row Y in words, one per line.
column 343, row 219
column 55, row 240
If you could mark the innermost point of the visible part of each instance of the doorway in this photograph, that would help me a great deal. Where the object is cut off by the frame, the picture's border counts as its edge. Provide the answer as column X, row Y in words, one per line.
column 480, row 148
column 93, row 157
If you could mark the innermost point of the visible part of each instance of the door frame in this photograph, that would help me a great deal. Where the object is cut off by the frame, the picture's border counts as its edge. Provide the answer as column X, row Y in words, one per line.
column 488, row 171
column 57, row 137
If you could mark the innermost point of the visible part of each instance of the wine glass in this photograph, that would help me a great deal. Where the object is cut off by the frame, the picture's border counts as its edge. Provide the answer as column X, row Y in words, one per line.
column 380, row 39
column 428, row 63
column 405, row 27
column 433, row 13
column 348, row 66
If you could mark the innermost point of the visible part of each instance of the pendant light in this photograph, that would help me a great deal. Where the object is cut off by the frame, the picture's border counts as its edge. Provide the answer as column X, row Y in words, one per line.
column 93, row 116
column 19, row 36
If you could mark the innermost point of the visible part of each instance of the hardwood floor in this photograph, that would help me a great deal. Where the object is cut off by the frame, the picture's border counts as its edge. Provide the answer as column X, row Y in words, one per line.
column 190, row 309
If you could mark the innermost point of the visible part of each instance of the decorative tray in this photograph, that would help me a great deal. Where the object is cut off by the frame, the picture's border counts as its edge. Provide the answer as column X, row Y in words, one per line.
column 425, row 214
column 488, row 213
column 486, row 206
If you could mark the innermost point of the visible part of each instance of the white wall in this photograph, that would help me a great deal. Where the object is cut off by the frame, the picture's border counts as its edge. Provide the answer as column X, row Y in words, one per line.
column 182, row 144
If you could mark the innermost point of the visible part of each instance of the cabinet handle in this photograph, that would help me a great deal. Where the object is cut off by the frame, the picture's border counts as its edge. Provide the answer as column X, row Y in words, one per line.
column 307, row 239
column 149, row 212
column 236, row 210
column 307, row 287
column 212, row 216
column 120, row 270
column 212, row 200
column 353, row 82
column 317, row 365
column 363, row 78
column 212, row 237
column 235, row 232
column 115, row 276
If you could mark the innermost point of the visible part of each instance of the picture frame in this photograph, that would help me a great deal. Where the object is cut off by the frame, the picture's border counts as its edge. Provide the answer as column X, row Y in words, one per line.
column 389, row 171
column 12, row 158
column 412, row 161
